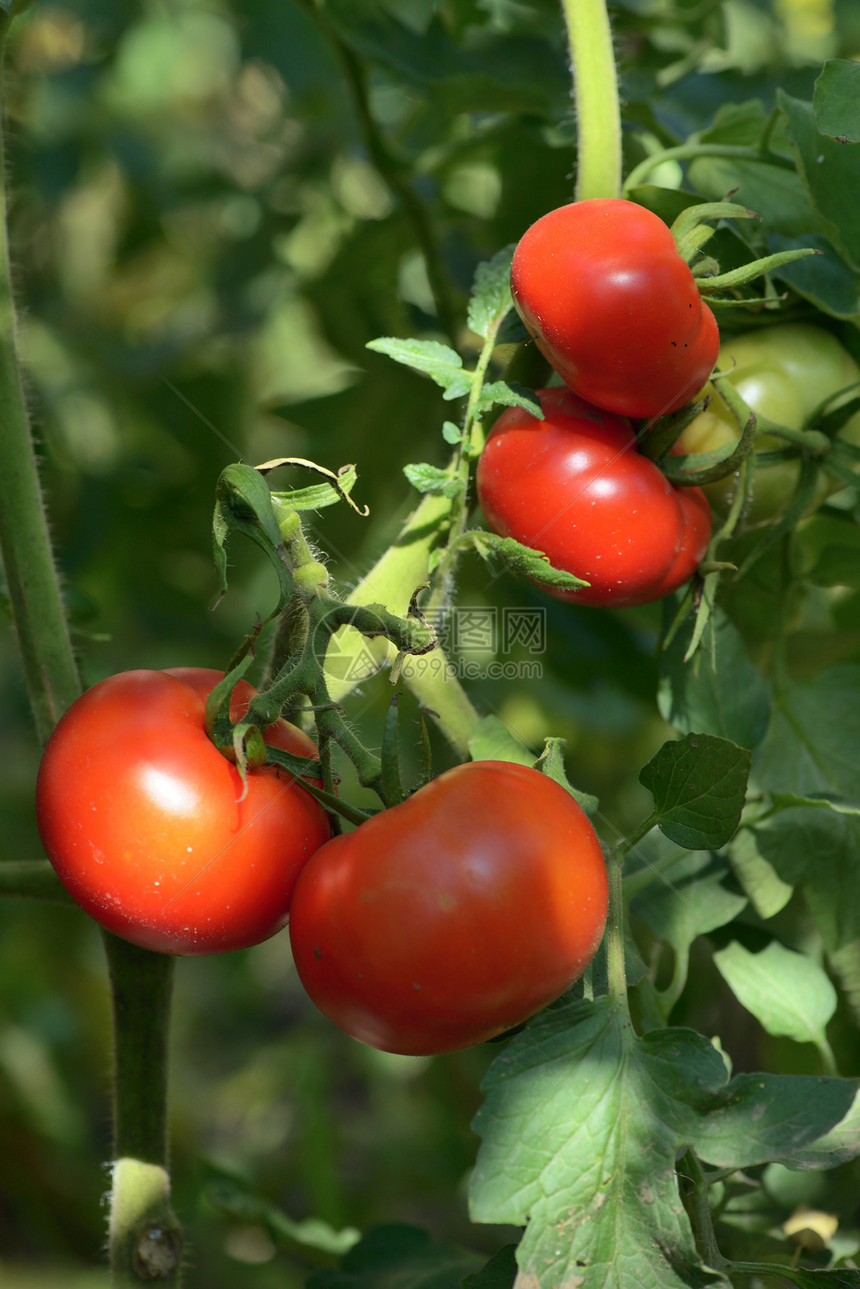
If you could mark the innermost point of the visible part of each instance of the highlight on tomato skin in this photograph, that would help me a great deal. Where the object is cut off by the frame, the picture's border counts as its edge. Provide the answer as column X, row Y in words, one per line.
column 574, row 486
column 149, row 828
column 614, row 308
column 450, row 918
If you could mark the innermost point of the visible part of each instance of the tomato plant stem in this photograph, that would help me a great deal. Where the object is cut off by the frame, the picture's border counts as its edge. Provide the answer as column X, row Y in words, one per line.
column 615, row 931
column 33, row 879
column 643, row 877
column 392, row 581
column 53, row 685
column 31, row 576
column 694, row 1193
column 145, row 1238
column 595, row 88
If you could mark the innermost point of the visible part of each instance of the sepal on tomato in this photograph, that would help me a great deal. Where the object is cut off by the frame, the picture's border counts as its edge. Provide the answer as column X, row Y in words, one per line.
column 691, row 231
column 699, row 468
column 692, row 228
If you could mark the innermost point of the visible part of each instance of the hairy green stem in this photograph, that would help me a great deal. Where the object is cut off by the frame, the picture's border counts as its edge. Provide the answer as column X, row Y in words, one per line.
column 392, row 581
column 31, row 576
column 595, row 87
column 145, row 1237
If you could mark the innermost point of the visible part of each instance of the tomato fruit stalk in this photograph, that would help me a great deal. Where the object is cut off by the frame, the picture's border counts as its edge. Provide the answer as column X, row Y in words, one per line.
column 149, row 827
column 453, row 916
column 614, row 308
column 574, row 486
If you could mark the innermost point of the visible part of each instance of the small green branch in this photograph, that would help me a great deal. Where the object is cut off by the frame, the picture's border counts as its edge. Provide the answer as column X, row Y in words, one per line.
column 33, row 879
column 694, row 1193
column 615, row 932
column 595, row 87
column 630, row 843
column 776, row 1271
column 652, row 872
column 690, row 150
column 828, row 1058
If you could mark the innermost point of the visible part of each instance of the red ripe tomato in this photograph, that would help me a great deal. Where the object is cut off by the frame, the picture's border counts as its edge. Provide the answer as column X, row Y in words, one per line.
column 613, row 307
column 574, row 487
column 146, row 824
column 454, row 916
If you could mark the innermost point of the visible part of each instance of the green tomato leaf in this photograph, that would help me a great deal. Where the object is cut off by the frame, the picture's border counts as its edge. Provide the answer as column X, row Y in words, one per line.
column 789, row 800
column 581, row 1129
column 693, row 898
column 759, row 880
column 429, row 478
column 494, row 740
column 778, row 195
column 845, row 962
column 826, row 279
column 499, row 1273
column 811, row 746
column 509, row 395
column 719, row 691
column 503, row 72
column 759, row 1118
column 439, row 362
column 491, row 294
column 829, row 171
column 319, row 495
column 817, row 850
column 788, row 993
column 808, row 763
column 699, row 787
column 836, row 100
column 243, row 504
column 451, row 433
column 552, row 763
column 837, row 1146
column 520, row 559
column 827, row 550
column 737, row 123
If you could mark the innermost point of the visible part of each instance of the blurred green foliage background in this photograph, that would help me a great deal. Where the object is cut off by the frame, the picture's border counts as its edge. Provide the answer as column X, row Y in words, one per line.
column 214, row 207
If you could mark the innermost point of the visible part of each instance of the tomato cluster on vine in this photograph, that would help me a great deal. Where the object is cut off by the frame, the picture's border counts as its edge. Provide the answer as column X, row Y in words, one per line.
column 607, row 298
column 434, row 925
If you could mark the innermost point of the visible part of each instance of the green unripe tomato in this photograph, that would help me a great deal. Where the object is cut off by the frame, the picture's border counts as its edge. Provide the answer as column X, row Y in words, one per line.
column 783, row 373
